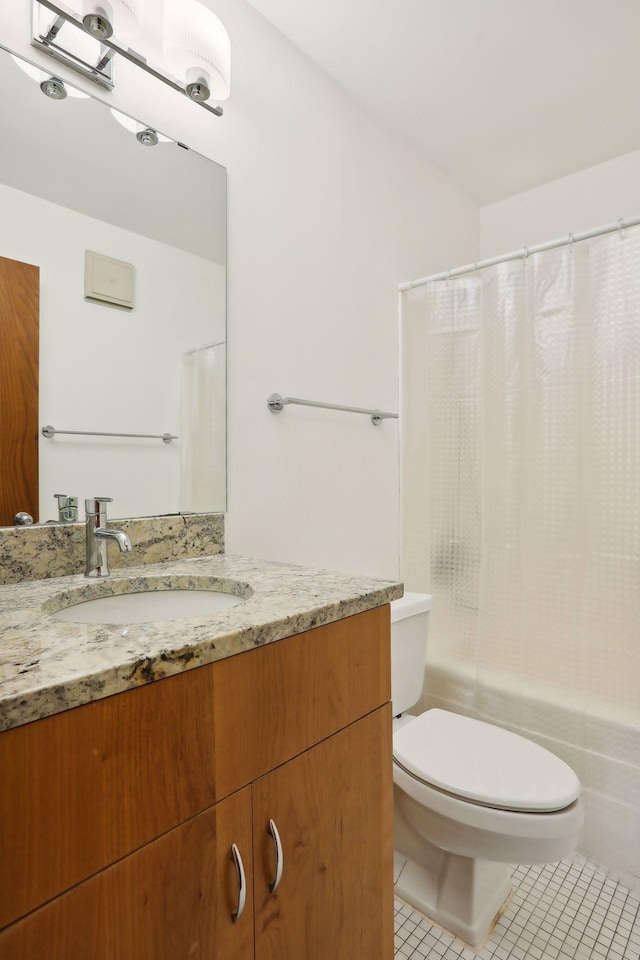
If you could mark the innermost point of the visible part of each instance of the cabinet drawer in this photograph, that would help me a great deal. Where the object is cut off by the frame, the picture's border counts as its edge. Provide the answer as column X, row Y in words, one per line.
column 172, row 899
column 289, row 695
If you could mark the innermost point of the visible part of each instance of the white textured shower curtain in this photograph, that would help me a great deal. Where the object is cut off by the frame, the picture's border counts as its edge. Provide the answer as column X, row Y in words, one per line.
column 203, row 478
column 521, row 507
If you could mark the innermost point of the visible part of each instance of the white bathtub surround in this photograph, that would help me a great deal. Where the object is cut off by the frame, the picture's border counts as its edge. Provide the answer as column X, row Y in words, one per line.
column 563, row 911
column 521, row 483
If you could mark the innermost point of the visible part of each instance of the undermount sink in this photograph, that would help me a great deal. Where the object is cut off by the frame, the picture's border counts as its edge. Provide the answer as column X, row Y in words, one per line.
column 146, row 599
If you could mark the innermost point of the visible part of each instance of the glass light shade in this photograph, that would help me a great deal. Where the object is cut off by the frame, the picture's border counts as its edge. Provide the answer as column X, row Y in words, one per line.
column 135, row 127
column 41, row 75
column 197, row 43
column 126, row 16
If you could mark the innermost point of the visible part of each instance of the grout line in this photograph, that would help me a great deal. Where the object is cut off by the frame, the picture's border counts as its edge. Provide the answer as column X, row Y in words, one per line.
column 571, row 910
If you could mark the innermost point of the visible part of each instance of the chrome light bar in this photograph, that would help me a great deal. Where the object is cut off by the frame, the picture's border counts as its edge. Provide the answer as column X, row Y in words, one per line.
column 102, row 71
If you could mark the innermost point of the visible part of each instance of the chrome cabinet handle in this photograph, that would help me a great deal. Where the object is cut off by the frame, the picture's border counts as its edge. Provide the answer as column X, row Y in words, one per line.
column 242, row 884
column 272, row 830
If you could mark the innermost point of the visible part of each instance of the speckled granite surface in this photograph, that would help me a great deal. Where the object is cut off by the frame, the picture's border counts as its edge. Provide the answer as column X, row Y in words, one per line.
column 58, row 550
column 47, row 665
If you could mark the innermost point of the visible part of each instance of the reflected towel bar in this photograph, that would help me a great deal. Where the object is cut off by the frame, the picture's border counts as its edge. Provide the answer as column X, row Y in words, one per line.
column 50, row 432
column 276, row 403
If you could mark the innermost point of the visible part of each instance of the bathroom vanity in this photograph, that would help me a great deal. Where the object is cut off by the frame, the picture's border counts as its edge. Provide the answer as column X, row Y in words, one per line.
column 217, row 787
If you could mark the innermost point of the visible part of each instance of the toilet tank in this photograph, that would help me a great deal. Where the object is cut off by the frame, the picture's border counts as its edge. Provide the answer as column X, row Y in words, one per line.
column 409, row 619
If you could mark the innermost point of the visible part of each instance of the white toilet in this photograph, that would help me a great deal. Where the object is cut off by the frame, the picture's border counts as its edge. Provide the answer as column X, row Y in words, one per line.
column 469, row 797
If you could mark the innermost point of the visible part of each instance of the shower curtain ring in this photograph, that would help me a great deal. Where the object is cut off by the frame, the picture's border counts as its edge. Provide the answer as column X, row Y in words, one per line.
column 620, row 223
column 447, row 277
column 525, row 254
column 571, row 239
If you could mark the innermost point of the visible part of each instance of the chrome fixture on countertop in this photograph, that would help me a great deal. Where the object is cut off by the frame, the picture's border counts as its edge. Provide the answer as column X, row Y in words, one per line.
column 67, row 508
column 99, row 535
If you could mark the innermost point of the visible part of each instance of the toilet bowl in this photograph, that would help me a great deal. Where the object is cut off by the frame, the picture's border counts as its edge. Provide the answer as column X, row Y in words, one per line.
column 469, row 797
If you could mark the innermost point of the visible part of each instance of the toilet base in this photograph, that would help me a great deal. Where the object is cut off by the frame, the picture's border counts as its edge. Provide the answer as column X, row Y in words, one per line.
column 463, row 895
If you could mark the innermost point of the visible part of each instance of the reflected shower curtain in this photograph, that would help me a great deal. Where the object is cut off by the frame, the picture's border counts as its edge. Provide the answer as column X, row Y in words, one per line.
column 521, row 496
column 203, row 478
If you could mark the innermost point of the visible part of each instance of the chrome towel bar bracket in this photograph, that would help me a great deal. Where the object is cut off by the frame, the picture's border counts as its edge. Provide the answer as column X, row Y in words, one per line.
column 276, row 403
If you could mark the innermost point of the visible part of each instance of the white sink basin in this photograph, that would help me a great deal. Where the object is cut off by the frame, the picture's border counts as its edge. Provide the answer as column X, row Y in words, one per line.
column 143, row 603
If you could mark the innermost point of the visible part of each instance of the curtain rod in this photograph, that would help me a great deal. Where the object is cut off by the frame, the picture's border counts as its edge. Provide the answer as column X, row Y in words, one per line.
column 522, row 254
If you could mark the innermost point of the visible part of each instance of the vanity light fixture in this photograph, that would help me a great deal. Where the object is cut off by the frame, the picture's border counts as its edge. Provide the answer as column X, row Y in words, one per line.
column 51, row 86
column 97, row 26
column 191, row 40
column 100, row 19
column 145, row 135
column 54, row 88
column 197, row 49
column 62, row 36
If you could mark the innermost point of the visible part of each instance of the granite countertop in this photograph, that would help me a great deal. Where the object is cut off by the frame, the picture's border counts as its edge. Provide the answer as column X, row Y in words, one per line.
column 48, row 665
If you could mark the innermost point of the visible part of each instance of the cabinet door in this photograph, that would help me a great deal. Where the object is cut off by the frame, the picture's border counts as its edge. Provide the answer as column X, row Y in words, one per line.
column 332, row 807
column 171, row 900
column 19, row 320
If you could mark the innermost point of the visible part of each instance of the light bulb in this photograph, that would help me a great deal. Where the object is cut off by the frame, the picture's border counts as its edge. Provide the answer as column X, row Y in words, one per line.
column 123, row 18
column 197, row 49
column 54, row 89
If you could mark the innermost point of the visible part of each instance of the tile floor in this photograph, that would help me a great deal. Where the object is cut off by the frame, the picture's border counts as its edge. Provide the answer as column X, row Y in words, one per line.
column 561, row 911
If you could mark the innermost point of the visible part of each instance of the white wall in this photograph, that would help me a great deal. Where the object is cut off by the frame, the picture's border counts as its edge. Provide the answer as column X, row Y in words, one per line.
column 590, row 198
column 130, row 380
column 327, row 213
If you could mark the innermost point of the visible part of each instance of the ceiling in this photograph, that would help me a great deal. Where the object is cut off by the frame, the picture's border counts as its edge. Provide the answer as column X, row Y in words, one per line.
column 502, row 95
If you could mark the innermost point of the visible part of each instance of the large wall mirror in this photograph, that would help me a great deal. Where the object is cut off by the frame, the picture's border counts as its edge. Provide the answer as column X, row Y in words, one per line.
column 74, row 179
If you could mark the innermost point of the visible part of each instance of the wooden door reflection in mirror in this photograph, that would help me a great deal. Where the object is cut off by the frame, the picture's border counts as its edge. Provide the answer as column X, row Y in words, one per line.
column 19, row 313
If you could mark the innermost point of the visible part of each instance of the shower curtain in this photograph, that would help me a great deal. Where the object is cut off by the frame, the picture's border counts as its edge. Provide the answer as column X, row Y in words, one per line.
column 521, row 509
column 203, row 476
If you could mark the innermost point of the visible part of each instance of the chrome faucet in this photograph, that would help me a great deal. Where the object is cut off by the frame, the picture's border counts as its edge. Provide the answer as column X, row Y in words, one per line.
column 67, row 508
column 99, row 535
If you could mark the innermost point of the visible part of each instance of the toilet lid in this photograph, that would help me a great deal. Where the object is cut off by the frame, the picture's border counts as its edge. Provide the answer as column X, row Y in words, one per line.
column 485, row 764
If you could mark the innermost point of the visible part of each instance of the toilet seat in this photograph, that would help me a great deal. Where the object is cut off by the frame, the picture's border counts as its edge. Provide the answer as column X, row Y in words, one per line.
column 481, row 764
column 473, row 830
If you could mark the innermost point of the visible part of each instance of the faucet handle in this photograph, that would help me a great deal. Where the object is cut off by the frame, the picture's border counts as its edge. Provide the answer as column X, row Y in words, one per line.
column 67, row 508
column 94, row 505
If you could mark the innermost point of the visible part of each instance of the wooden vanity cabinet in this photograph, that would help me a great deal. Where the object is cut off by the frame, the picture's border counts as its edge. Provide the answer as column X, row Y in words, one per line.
column 298, row 732
column 171, row 899
column 331, row 806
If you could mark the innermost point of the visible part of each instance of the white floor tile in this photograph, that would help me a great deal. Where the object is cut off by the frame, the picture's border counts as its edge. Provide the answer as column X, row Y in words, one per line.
column 562, row 911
